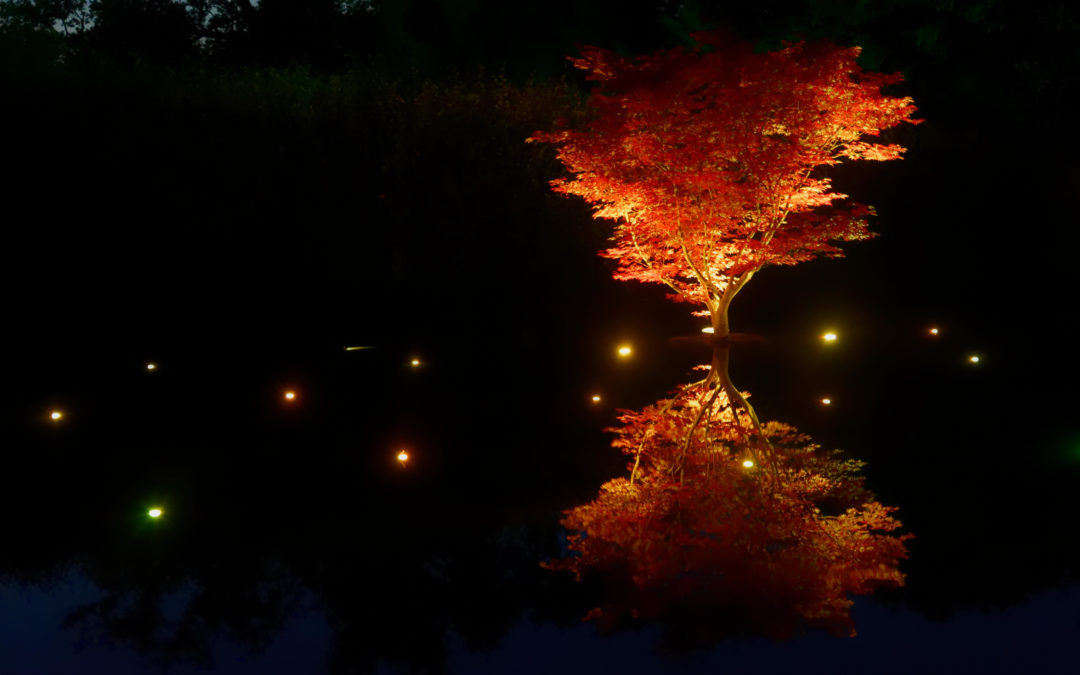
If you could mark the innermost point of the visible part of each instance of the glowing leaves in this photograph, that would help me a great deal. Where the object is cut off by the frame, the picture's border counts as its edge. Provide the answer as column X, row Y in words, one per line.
column 724, row 534
column 705, row 159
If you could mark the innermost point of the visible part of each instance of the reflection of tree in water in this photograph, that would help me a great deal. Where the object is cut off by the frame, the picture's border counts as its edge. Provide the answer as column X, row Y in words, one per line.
column 712, row 542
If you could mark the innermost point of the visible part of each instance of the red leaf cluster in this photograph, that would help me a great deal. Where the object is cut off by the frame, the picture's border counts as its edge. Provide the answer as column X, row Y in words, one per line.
column 707, row 159
column 783, row 547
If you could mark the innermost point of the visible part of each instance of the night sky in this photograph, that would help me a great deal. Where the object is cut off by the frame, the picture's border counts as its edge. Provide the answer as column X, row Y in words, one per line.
column 237, row 192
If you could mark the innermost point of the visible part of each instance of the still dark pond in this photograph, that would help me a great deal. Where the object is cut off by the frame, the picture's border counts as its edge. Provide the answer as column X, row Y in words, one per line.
column 292, row 539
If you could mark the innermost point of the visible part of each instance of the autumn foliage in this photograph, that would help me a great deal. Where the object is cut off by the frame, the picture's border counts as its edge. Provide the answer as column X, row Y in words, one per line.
column 706, row 160
column 778, row 551
column 710, row 163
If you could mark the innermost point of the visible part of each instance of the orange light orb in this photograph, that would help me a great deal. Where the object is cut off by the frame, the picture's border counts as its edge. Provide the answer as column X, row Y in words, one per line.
column 403, row 457
column 596, row 398
column 829, row 337
column 934, row 331
column 826, row 401
column 290, row 395
column 749, row 464
column 624, row 351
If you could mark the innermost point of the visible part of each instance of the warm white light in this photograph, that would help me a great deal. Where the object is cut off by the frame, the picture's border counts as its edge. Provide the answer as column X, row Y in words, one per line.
column 596, row 398
column 290, row 395
column 624, row 351
column 973, row 359
column 403, row 457
column 154, row 513
column 826, row 401
column 829, row 337
column 151, row 366
column 414, row 362
column 708, row 329
column 56, row 414
column 934, row 331
column 748, row 464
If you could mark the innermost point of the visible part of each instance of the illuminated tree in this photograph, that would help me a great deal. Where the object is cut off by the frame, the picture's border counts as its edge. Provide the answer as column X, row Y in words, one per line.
column 708, row 160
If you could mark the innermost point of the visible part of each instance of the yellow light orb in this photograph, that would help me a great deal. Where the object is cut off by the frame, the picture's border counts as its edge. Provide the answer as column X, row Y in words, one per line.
column 290, row 395
column 154, row 513
column 596, row 398
column 973, row 358
column 56, row 414
column 829, row 337
column 414, row 362
column 708, row 329
column 934, row 331
column 826, row 401
column 403, row 457
column 624, row 351
column 749, row 464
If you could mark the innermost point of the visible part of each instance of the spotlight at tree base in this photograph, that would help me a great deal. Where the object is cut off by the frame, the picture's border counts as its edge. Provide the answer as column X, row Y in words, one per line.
column 748, row 464
column 55, row 415
column 974, row 358
column 596, row 398
column 624, row 351
column 290, row 396
column 403, row 457
column 708, row 329
column 155, row 512
column 829, row 337
column 151, row 367
column 826, row 401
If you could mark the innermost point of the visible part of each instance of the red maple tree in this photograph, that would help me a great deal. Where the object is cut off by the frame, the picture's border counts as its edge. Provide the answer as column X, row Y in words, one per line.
column 709, row 161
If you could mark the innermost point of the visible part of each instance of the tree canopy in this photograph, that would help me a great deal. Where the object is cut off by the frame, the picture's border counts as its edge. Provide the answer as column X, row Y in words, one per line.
column 708, row 159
